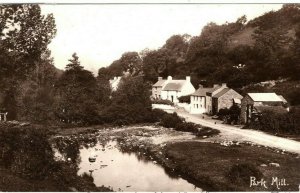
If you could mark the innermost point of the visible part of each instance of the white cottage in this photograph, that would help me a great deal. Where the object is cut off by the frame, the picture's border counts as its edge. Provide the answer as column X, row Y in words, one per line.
column 173, row 89
column 198, row 100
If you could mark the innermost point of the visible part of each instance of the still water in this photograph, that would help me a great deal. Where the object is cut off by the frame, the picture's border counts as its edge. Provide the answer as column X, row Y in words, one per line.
column 126, row 172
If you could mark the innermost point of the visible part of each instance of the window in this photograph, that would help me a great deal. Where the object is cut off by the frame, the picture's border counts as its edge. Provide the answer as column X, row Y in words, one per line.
column 197, row 106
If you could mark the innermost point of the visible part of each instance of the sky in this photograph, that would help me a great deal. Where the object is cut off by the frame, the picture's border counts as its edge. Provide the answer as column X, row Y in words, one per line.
column 101, row 33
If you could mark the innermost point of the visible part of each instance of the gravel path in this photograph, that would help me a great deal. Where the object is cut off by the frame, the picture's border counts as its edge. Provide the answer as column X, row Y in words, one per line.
column 229, row 132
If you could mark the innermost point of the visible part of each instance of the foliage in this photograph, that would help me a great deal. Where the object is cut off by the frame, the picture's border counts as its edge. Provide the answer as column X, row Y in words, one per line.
column 26, row 33
column 241, row 173
column 187, row 127
column 170, row 120
column 130, row 103
column 207, row 131
column 77, row 95
column 163, row 102
column 279, row 123
column 27, row 69
column 185, row 99
column 26, row 152
column 230, row 115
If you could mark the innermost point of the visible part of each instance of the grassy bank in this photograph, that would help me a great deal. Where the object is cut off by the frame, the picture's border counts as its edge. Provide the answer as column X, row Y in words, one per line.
column 27, row 163
column 210, row 165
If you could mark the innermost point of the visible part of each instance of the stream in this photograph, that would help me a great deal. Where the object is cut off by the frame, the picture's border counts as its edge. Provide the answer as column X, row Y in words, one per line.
column 128, row 171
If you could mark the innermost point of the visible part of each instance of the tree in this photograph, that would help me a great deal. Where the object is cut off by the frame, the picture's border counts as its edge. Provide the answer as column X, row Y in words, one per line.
column 131, row 62
column 155, row 64
column 26, row 32
column 74, row 63
column 24, row 36
column 77, row 94
column 130, row 103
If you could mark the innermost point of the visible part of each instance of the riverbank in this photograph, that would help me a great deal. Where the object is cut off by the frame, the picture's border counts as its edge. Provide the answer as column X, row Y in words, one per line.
column 27, row 163
column 206, row 162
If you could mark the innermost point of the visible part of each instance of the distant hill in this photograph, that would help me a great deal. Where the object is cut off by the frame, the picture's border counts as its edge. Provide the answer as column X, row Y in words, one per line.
column 239, row 53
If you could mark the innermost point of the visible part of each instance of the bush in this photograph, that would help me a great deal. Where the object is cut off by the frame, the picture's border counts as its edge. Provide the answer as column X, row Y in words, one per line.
column 241, row 173
column 163, row 102
column 170, row 120
column 278, row 123
column 185, row 99
column 207, row 131
column 230, row 115
column 187, row 127
column 26, row 152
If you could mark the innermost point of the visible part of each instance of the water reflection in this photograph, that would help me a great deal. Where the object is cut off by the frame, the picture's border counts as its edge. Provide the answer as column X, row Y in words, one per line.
column 127, row 171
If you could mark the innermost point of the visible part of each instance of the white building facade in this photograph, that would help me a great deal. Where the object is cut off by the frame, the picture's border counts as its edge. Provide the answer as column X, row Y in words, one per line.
column 171, row 90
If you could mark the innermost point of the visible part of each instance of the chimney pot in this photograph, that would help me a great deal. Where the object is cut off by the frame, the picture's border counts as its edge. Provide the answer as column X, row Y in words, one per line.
column 188, row 78
column 224, row 85
column 159, row 78
column 169, row 77
column 216, row 85
column 200, row 86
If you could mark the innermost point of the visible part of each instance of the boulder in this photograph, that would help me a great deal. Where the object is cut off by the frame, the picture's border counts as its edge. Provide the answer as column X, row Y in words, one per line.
column 274, row 164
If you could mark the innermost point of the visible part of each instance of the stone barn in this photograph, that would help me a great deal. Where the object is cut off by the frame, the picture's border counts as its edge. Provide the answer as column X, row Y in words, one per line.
column 253, row 103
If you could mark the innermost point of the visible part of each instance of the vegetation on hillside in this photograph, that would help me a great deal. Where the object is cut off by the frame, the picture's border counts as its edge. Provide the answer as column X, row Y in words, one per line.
column 238, row 53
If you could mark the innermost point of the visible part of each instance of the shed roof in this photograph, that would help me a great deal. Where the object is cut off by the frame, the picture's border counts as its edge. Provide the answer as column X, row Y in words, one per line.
column 283, row 99
column 265, row 97
column 174, row 85
column 159, row 83
column 201, row 92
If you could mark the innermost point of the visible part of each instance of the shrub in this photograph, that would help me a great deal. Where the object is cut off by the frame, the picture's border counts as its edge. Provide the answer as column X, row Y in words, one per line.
column 170, row 120
column 207, row 131
column 241, row 173
column 163, row 102
column 278, row 123
column 187, row 127
column 185, row 99
column 230, row 115
column 26, row 151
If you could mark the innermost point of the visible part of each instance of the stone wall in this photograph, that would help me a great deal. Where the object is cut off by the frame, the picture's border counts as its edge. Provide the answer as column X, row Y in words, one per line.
column 245, row 101
column 226, row 100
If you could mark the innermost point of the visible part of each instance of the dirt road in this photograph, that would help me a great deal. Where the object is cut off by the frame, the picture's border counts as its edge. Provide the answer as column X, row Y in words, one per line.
column 229, row 132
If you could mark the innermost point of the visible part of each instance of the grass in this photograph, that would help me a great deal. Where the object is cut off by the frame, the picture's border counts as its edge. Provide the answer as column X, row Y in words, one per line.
column 208, row 165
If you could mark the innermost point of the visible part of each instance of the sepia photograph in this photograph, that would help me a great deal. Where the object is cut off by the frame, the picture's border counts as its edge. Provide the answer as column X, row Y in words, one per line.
column 180, row 96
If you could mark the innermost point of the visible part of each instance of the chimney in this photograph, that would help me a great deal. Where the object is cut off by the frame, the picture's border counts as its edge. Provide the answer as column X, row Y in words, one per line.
column 188, row 78
column 169, row 77
column 224, row 85
column 159, row 78
column 115, row 78
column 200, row 86
column 216, row 85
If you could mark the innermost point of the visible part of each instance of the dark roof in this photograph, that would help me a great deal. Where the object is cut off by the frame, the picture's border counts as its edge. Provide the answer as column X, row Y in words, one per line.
column 201, row 91
column 214, row 89
column 174, row 85
column 221, row 93
column 160, row 83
